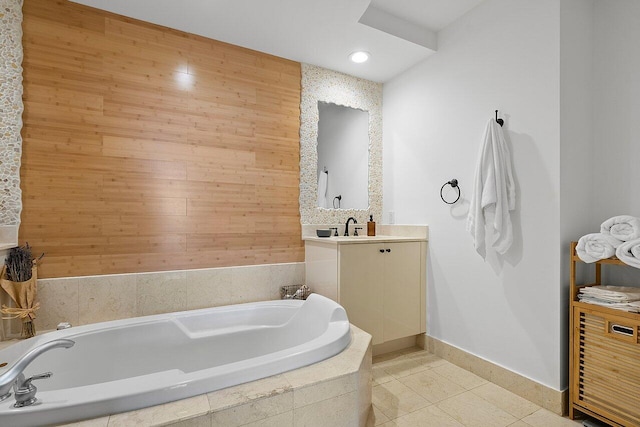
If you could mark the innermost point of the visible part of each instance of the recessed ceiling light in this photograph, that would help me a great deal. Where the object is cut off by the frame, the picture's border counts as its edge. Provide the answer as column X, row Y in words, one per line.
column 359, row 57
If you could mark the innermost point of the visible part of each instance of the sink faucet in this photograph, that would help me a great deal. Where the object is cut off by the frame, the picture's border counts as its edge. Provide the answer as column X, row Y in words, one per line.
column 346, row 226
column 9, row 377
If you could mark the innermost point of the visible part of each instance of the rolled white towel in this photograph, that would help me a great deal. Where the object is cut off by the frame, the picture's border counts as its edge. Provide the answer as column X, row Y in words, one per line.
column 629, row 253
column 622, row 227
column 595, row 246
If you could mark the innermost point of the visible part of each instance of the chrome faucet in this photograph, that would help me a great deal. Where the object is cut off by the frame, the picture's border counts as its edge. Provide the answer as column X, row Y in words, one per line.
column 14, row 377
column 346, row 226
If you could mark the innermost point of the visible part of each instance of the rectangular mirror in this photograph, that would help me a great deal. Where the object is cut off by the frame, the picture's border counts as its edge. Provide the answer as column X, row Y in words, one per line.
column 343, row 157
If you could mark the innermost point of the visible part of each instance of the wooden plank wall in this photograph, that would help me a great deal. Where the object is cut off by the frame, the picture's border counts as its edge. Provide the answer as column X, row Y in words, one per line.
column 149, row 149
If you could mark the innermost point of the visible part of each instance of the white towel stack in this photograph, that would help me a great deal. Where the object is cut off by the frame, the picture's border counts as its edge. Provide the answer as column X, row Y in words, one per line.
column 619, row 236
column 629, row 253
column 595, row 246
column 625, row 298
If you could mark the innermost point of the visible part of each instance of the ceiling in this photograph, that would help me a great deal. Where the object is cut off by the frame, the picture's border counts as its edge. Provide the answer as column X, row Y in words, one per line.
column 397, row 33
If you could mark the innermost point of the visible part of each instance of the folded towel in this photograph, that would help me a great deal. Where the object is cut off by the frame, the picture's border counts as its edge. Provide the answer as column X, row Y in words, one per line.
column 629, row 253
column 493, row 187
column 622, row 227
column 323, row 181
column 595, row 246
column 612, row 293
column 633, row 307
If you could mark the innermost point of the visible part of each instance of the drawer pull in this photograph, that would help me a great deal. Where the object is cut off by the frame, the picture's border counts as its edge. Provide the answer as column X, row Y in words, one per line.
column 622, row 330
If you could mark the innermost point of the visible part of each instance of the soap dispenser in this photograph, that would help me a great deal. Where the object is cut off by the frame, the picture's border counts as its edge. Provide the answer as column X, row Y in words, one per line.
column 371, row 227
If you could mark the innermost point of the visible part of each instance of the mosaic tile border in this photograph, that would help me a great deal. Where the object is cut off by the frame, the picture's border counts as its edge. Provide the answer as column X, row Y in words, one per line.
column 320, row 84
column 11, row 108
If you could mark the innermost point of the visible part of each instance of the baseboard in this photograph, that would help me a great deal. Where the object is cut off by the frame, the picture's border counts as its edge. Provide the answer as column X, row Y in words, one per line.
column 546, row 397
column 395, row 345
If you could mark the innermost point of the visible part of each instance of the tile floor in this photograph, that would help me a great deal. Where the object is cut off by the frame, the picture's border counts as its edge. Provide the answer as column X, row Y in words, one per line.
column 414, row 388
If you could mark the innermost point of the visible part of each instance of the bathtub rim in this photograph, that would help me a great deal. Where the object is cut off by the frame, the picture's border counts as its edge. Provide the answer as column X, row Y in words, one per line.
column 25, row 345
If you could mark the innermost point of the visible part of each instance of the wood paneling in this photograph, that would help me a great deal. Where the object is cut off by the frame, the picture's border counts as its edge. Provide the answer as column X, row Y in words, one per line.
column 149, row 149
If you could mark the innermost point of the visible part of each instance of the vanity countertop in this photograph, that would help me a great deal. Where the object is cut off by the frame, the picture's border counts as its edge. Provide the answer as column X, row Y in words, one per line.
column 362, row 239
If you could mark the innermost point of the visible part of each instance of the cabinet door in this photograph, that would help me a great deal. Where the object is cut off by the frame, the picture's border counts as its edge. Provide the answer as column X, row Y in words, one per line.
column 361, row 269
column 402, row 294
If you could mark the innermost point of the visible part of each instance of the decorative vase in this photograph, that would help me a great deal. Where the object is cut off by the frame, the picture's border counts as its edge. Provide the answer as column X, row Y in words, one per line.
column 22, row 305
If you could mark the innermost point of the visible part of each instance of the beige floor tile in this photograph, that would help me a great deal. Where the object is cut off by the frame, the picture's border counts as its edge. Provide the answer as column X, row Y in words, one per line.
column 376, row 417
column 380, row 376
column 431, row 386
column 426, row 358
column 402, row 367
column 459, row 376
column 473, row 411
column 395, row 399
column 431, row 416
column 544, row 418
column 505, row 400
column 519, row 423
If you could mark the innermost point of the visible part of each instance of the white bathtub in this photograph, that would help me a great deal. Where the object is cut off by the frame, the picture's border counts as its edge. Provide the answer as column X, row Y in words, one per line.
column 134, row 363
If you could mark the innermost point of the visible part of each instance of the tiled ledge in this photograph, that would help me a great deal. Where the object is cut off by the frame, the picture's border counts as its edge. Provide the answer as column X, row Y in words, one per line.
column 546, row 397
column 335, row 392
column 92, row 299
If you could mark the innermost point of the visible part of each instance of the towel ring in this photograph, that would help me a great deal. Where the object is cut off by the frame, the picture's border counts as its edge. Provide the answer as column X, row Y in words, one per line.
column 454, row 184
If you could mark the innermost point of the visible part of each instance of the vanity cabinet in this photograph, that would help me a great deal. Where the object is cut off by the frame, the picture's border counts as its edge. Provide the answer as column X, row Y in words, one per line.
column 381, row 284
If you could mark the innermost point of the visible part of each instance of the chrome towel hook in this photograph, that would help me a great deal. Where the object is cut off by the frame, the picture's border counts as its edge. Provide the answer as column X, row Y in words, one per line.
column 454, row 184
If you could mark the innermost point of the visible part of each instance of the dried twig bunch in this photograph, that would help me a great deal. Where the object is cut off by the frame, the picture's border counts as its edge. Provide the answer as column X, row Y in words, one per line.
column 19, row 263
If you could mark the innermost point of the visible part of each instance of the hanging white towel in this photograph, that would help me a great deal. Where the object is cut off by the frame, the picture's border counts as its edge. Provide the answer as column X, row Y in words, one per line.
column 323, row 180
column 493, row 187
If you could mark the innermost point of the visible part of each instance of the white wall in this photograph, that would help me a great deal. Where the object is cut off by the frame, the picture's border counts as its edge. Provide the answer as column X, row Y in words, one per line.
column 616, row 117
column 504, row 55
column 576, row 148
column 617, row 107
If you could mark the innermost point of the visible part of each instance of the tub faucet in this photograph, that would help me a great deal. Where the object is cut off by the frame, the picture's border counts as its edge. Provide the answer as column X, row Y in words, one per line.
column 346, row 226
column 14, row 374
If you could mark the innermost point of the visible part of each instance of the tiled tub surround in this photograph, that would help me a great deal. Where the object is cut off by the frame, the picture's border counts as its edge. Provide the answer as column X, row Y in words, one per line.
column 130, row 364
column 335, row 392
column 91, row 299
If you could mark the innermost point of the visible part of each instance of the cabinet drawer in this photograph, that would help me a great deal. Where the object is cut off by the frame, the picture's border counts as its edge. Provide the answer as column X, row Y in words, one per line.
column 607, row 369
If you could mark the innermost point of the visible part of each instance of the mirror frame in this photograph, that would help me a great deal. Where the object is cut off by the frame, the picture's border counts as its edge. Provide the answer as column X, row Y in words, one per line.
column 320, row 84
